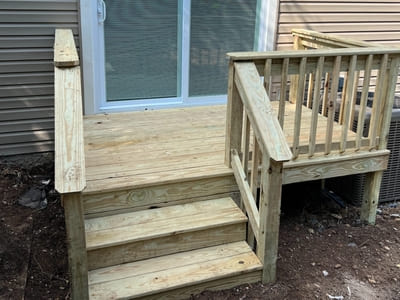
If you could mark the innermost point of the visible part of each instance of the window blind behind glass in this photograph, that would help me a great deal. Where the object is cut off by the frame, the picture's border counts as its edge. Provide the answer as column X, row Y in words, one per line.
column 218, row 27
column 141, row 49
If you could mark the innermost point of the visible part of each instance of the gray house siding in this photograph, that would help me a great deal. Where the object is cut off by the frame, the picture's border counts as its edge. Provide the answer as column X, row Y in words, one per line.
column 26, row 71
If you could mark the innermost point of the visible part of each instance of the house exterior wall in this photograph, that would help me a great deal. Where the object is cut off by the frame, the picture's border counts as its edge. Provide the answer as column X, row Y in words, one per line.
column 26, row 71
column 368, row 20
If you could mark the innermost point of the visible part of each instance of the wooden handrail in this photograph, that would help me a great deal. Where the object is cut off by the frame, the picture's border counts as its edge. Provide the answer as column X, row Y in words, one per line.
column 69, row 147
column 254, row 56
column 258, row 107
column 319, row 39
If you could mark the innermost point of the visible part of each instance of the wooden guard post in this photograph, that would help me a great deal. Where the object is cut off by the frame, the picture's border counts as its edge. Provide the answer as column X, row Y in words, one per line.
column 69, row 155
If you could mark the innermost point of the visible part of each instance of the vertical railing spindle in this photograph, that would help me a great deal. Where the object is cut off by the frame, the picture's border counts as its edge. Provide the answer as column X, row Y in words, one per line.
column 282, row 96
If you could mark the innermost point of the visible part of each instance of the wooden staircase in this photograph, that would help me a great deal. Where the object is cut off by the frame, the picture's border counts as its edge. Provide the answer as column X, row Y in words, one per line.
column 164, row 226
column 169, row 252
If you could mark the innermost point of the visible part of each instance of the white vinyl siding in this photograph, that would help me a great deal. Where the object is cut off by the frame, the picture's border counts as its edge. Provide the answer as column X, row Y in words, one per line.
column 26, row 71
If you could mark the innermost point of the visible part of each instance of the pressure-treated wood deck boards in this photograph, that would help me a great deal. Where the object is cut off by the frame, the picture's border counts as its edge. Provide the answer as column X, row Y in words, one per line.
column 142, row 148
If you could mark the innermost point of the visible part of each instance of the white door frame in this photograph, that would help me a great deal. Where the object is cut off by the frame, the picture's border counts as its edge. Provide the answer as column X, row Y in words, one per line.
column 92, row 43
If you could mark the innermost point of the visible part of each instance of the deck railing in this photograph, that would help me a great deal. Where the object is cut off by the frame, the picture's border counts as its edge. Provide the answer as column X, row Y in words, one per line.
column 259, row 105
column 69, row 155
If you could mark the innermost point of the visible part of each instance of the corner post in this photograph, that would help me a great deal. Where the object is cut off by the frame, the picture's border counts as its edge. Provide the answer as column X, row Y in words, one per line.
column 234, row 117
column 294, row 79
column 270, row 206
column 77, row 255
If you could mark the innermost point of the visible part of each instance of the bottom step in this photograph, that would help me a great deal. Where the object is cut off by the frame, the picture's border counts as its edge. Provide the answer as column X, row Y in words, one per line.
column 177, row 276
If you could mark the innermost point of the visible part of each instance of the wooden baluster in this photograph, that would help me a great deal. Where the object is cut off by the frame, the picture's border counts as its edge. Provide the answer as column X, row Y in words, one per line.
column 282, row 96
column 377, row 102
column 310, row 90
column 267, row 76
column 315, row 105
column 332, row 103
column 246, row 143
column 355, row 90
column 343, row 102
column 234, row 117
column 254, row 185
column 348, row 103
column 270, row 204
column 325, row 97
column 364, row 101
column 299, row 104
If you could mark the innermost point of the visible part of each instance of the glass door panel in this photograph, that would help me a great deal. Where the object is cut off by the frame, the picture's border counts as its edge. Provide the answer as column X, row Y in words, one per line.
column 142, row 52
column 218, row 27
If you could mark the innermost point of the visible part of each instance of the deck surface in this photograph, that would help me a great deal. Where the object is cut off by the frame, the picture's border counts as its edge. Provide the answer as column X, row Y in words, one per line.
column 141, row 148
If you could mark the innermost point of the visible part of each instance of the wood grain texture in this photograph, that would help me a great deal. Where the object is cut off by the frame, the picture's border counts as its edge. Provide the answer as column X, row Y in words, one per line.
column 270, row 207
column 335, row 166
column 177, row 271
column 77, row 258
column 65, row 54
column 145, row 249
column 150, row 224
column 246, row 194
column 69, row 145
column 259, row 110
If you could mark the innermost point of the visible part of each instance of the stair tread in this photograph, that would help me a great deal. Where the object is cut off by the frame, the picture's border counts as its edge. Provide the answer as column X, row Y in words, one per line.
column 173, row 271
column 149, row 224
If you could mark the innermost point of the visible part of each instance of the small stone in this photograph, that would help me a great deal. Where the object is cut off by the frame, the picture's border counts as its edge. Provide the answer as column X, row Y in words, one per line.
column 379, row 211
column 338, row 266
column 313, row 264
column 336, row 216
column 311, row 231
column 395, row 215
column 352, row 244
column 325, row 273
column 386, row 248
column 371, row 280
column 398, row 265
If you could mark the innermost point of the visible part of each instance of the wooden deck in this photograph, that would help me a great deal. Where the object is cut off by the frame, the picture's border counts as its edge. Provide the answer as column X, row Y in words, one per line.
column 140, row 149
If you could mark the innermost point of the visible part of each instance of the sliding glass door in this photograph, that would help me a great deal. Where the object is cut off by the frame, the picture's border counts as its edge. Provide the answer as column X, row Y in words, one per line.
column 161, row 53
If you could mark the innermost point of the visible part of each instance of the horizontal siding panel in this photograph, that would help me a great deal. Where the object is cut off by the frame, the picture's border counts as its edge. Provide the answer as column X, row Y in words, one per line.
column 26, row 78
column 38, row 5
column 27, row 29
column 26, row 90
column 28, row 42
column 7, row 29
column 26, row 136
column 26, row 102
column 25, row 148
column 26, row 54
column 329, row 17
column 342, row 27
column 27, row 113
column 26, row 66
column 38, row 17
column 347, row 7
column 26, row 125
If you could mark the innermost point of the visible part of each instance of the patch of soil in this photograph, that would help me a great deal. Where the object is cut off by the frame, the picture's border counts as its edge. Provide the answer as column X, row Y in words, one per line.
column 33, row 254
column 317, row 236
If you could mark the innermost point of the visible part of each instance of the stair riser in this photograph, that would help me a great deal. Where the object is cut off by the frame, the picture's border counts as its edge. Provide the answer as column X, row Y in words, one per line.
column 219, row 284
column 114, row 202
column 145, row 249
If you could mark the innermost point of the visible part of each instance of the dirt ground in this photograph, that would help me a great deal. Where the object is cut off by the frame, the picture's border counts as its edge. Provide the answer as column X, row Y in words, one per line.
column 324, row 251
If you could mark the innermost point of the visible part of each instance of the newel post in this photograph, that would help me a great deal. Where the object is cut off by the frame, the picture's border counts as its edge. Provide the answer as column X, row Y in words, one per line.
column 234, row 117
column 270, row 207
